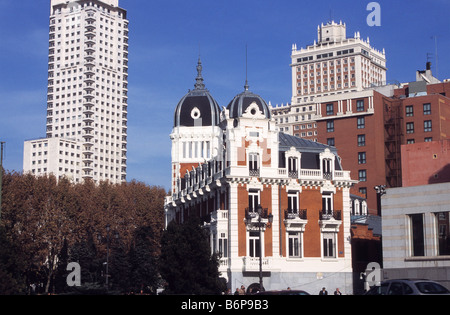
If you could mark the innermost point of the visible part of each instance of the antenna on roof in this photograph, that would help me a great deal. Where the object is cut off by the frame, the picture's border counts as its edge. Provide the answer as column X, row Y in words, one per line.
column 246, row 87
column 436, row 55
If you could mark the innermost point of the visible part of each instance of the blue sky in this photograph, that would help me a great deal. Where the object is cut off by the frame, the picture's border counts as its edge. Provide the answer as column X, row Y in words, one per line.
column 165, row 40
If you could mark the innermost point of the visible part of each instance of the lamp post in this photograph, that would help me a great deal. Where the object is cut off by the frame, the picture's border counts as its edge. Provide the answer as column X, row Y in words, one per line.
column 102, row 239
column 270, row 219
column 108, row 228
column 381, row 190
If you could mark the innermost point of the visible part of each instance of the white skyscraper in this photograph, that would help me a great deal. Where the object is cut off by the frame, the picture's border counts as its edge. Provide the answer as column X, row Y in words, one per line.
column 86, row 134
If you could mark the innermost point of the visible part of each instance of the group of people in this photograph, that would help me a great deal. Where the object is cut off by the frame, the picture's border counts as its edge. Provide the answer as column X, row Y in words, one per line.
column 325, row 292
column 241, row 291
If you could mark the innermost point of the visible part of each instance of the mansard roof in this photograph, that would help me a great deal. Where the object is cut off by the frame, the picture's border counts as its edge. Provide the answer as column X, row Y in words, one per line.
column 310, row 151
column 288, row 141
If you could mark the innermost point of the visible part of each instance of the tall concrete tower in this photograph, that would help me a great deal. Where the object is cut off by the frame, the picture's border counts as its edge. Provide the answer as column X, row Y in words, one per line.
column 87, row 102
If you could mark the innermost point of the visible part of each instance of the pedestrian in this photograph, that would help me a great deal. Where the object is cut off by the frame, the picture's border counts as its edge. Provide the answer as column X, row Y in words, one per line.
column 242, row 290
column 337, row 292
column 323, row 291
column 237, row 291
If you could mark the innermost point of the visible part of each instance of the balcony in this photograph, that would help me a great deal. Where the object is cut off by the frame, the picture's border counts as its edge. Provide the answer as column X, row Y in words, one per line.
column 330, row 220
column 254, row 173
column 290, row 214
column 295, row 220
column 252, row 263
column 330, row 215
column 258, row 218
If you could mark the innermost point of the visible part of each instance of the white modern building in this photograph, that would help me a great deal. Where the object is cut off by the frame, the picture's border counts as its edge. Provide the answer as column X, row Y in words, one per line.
column 57, row 156
column 416, row 232
column 87, row 92
column 330, row 68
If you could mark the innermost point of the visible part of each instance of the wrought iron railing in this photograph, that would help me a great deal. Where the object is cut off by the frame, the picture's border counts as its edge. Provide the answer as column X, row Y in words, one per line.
column 330, row 214
column 291, row 214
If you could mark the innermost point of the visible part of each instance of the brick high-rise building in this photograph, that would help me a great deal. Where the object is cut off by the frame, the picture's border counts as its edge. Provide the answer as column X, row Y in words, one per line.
column 333, row 66
column 87, row 102
column 341, row 98
column 369, row 128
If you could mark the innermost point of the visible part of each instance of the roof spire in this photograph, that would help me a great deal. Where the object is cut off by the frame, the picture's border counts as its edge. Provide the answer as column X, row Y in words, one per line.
column 199, row 85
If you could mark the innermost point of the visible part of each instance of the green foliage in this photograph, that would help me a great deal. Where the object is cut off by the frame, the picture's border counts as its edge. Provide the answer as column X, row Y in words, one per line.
column 186, row 263
column 12, row 270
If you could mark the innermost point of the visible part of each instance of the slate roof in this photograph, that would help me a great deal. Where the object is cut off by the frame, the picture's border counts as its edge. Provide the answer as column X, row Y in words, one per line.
column 310, row 151
column 288, row 141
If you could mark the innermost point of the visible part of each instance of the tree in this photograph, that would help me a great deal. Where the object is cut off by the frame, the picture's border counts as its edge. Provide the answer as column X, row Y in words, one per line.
column 53, row 222
column 143, row 261
column 186, row 262
column 12, row 269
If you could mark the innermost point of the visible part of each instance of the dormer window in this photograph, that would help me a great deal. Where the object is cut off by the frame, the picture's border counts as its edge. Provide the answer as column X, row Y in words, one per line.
column 326, row 168
column 292, row 167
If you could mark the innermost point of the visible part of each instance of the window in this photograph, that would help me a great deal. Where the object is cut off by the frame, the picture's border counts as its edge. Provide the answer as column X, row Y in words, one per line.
column 292, row 202
column 330, row 126
column 253, row 164
column 362, row 158
column 428, row 139
column 292, row 167
column 190, row 150
column 427, row 126
column 253, row 200
column 326, row 169
column 254, row 245
column 409, row 111
column 295, row 245
column 361, row 123
column 427, row 109
column 363, row 190
column 361, row 140
column 398, row 288
column 327, row 203
column 223, row 245
column 443, row 233
column 417, row 237
column 329, row 250
column 360, row 105
column 330, row 142
column 362, row 175
column 410, row 127
column 330, row 109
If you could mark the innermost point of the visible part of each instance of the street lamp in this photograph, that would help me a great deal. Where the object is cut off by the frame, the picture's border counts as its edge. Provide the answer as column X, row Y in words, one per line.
column 270, row 219
column 108, row 228
column 381, row 190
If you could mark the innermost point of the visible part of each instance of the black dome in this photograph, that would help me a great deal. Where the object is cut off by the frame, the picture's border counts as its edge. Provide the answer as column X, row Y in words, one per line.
column 198, row 107
column 242, row 101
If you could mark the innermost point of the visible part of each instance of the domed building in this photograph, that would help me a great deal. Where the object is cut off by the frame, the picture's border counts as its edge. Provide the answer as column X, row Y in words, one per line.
column 197, row 107
column 269, row 200
column 247, row 102
column 196, row 135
